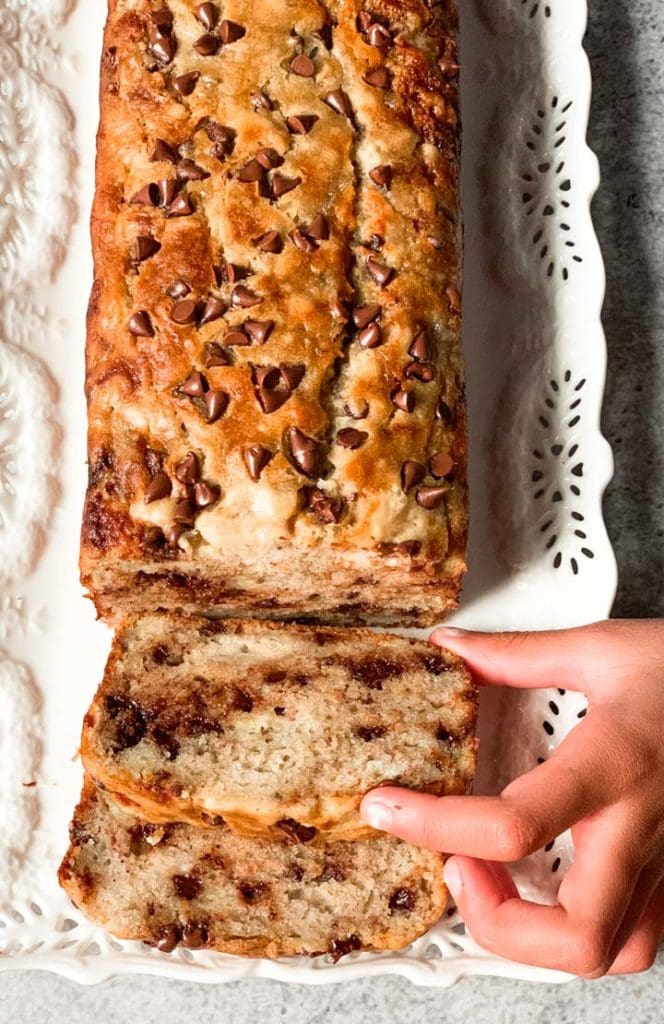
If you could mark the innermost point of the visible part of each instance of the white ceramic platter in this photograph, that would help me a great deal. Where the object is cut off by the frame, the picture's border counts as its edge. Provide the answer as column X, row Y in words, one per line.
column 539, row 553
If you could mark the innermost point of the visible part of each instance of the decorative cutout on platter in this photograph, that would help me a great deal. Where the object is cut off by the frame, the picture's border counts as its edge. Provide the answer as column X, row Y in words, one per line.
column 27, row 448
column 518, row 15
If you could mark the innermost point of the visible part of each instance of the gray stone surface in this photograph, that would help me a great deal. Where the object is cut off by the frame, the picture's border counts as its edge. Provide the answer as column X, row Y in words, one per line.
column 625, row 43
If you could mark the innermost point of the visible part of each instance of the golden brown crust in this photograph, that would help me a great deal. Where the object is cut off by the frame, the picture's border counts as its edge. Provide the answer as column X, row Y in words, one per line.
column 325, row 521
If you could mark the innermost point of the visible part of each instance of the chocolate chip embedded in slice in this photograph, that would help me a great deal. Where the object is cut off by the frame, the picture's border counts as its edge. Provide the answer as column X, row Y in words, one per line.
column 256, row 458
column 266, row 376
column 208, row 45
column 431, row 497
column 302, row 241
column 180, row 207
column 208, row 15
column 168, row 938
column 351, row 438
column 146, row 196
column 270, row 400
column 378, row 35
column 260, row 101
column 319, row 229
column 205, row 494
column 378, row 79
column 185, row 84
column 184, row 312
column 162, row 20
column 163, row 152
column 304, row 451
column 453, row 298
column 292, row 375
column 251, row 172
column 179, row 289
column 327, row 508
column 301, row 124
column 212, row 310
column 216, row 355
column 243, row 298
column 363, row 315
column 216, row 403
column 363, row 21
column 230, row 32
column 231, row 273
column 268, row 158
column 281, row 184
column 370, row 336
column 236, row 337
column 382, row 176
column 163, row 48
column 140, row 324
column 295, row 832
column 269, row 241
column 419, row 347
column 358, row 413
column 189, row 470
column 173, row 533
column 159, row 487
column 187, row 887
column 339, row 103
column 183, row 512
column 403, row 400
column 402, row 901
column 259, row 330
column 412, row 474
column 194, row 935
column 381, row 273
column 303, row 66
column 167, row 191
column 441, row 465
column 424, row 372
column 187, row 170
column 195, row 385
column 144, row 247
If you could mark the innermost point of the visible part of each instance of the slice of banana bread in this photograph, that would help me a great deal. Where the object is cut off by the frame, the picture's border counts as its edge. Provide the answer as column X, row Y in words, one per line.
column 277, row 729
column 172, row 884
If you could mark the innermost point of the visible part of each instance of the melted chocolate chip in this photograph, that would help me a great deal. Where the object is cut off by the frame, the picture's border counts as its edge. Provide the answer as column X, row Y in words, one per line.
column 159, row 487
column 208, row 15
column 164, row 153
column 295, row 832
column 230, row 32
column 194, row 935
column 251, row 892
column 412, row 474
column 351, row 438
column 207, row 45
column 243, row 701
column 185, row 84
column 130, row 721
column 371, row 732
column 303, row 66
column 256, row 458
column 402, row 901
column 168, row 938
column 302, row 241
column 342, row 947
column 187, row 887
column 326, row 507
column 304, row 452
column 382, row 176
column 301, row 124
column 441, row 465
column 140, row 324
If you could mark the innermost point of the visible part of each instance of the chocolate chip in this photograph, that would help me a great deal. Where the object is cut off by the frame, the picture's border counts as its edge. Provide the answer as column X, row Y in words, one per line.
column 402, row 901
column 365, row 314
column 371, row 732
column 292, row 375
column 130, row 722
column 243, row 701
column 236, row 337
column 453, row 298
column 381, row 273
column 266, row 376
column 187, row 170
column 252, row 171
column 189, row 469
column 419, row 347
column 325, row 507
column 268, row 158
column 270, row 400
column 221, row 134
column 256, row 458
column 259, row 330
column 148, row 196
column 216, row 403
column 281, row 184
column 179, row 289
column 205, row 494
column 324, row 33
column 230, row 32
column 208, row 45
column 301, row 124
column 404, row 400
column 303, row 66
column 424, row 372
column 304, row 452
column 357, row 414
column 431, row 497
column 370, row 337
column 379, row 79
column 194, row 935
column 216, row 355
column 295, row 832
column 269, row 241
column 184, row 312
column 302, row 241
column 412, row 474
column 164, row 153
column 162, row 20
column 443, row 412
column 167, row 190
column 378, row 35
column 441, row 465
column 180, row 207
column 339, row 102
column 208, row 15
column 173, row 534
column 319, row 229
column 382, row 176
column 243, row 298
column 252, row 891
column 212, row 310
column 195, row 386
column 351, row 438
column 231, row 273
column 159, row 487
column 363, row 21
column 163, row 48
column 187, row 887
column 342, row 947
column 183, row 512
column 168, row 938
column 185, row 84
column 260, row 101
column 140, row 324
column 144, row 248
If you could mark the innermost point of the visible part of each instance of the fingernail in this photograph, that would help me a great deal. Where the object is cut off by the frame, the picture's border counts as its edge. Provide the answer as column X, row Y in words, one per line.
column 450, row 631
column 453, row 879
column 378, row 815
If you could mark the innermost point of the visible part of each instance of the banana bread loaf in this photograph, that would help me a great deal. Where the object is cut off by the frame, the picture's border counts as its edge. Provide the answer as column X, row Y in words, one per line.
column 276, row 410
column 274, row 728
column 172, row 884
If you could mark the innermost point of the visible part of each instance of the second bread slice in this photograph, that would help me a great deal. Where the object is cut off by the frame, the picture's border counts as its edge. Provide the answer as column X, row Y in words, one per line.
column 276, row 729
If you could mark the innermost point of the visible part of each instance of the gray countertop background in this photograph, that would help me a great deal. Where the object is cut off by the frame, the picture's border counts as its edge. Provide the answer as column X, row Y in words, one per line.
column 626, row 46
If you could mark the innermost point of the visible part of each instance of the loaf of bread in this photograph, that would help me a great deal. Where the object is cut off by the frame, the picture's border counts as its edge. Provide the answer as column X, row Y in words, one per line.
column 274, row 728
column 172, row 884
column 274, row 376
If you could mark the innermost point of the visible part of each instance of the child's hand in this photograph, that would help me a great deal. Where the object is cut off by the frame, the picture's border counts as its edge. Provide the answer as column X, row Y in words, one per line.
column 606, row 781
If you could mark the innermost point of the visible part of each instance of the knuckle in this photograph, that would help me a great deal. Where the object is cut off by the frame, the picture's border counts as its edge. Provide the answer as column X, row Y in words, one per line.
column 517, row 835
column 590, row 956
